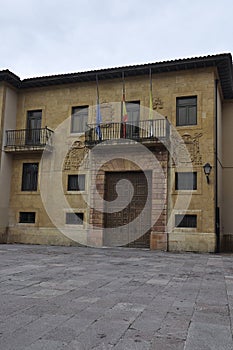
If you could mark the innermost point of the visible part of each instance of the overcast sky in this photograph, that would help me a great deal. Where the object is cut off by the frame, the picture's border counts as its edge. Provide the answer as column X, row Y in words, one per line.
column 44, row 37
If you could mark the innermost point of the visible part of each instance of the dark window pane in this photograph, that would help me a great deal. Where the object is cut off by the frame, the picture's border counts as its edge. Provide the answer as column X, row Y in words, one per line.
column 74, row 218
column 36, row 114
column 79, row 119
column 186, row 101
column 186, row 181
column 30, row 176
column 33, row 134
column 27, row 217
column 76, row 182
column 185, row 220
column 182, row 115
column 192, row 115
column 186, row 111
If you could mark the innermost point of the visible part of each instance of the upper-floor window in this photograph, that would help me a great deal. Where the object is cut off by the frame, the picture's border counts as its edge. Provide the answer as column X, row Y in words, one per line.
column 30, row 176
column 132, row 117
column 186, row 181
column 34, row 119
column 79, row 119
column 186, row 111
column 76, row 183
column 33, row 133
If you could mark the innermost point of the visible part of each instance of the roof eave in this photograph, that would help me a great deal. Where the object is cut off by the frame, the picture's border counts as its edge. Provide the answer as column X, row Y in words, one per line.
column 223, row 62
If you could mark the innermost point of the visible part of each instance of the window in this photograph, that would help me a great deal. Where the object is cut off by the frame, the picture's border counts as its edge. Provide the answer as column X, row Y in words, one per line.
column 33, row 132
column 34, row 119
column 76, row 183
column 74, row 218
column 79, row 119
column 30, row 176
column 186, row 181
column 131, row 129
column 27, row 217
column 186, row 111
column 185, row 220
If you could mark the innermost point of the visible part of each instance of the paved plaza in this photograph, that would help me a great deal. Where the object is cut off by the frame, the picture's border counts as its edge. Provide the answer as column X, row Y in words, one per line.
column 56, row 298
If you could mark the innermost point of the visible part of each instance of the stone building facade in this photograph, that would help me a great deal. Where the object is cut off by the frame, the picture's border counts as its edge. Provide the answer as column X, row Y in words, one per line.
column 69, row 178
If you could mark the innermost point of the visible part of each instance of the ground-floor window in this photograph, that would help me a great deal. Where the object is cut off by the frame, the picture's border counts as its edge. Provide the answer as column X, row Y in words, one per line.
column 76, row 183
column 186, row 181
column 27, row 217
column 30, row 176
column 185, row 220
column 74, row 218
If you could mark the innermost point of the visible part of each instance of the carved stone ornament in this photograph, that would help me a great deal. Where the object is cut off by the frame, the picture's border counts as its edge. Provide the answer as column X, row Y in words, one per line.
column 190, row 144
column 106, row 110
column 157, row 103
column 75, row 156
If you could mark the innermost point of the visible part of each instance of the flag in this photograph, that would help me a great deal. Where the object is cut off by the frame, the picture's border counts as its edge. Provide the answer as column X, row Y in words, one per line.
column 124, row 110
column 151, row 105
column 125, row 115
column 151, row 98
column 98, row 114
column 98, row 122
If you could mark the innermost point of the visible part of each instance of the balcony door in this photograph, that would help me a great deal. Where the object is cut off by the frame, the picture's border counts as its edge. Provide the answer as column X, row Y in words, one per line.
column 133, row 117
column 33, row 132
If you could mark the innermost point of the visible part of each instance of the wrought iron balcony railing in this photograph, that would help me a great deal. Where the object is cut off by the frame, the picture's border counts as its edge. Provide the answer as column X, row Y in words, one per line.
column 155, row 130
column 28, row 139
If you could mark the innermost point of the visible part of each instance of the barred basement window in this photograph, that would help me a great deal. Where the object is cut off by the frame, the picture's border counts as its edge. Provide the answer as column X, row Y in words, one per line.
column 186, row 111
column 74, row 218
column 76, row 183
column 79, row 119
column 186, row 181
column 30, row 176
column 27, row 217
column 185, row 220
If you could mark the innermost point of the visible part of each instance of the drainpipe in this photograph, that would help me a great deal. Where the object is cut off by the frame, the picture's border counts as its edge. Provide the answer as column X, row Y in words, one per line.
column 217, row 216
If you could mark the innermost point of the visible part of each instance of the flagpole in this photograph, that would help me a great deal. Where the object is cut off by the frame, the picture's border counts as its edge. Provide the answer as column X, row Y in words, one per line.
column 150, row 73
column 123, row 109
column 151, row 103
column 151, row 100
column 97, row 89
column 123, row 85
column 98, row 114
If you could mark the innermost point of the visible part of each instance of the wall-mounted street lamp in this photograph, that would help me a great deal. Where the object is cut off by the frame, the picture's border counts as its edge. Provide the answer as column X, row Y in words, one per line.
column 207, row 169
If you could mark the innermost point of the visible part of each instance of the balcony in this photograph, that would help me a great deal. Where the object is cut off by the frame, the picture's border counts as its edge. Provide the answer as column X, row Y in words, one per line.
column 146, row 132
column 27, row 140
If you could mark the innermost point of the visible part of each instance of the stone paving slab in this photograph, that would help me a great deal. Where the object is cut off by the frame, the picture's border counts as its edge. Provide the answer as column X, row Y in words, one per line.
column 73, row 298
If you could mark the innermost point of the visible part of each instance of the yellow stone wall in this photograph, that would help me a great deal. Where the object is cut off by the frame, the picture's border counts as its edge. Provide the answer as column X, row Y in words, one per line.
column 56, row 104
column 227, row 168
column 2, row 102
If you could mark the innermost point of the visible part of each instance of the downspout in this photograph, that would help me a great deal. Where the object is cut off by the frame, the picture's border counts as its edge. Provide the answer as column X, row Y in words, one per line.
column 217, row 224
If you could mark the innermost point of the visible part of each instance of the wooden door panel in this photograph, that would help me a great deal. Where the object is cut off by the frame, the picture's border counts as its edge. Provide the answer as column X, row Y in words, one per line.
column 121, row 218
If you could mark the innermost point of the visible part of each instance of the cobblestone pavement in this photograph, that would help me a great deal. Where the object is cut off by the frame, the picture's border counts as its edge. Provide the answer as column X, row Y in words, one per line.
column 56, row 298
